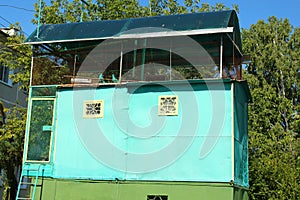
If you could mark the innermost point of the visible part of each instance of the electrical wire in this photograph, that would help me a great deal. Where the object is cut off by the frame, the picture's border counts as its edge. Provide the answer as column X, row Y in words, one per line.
column 16, row 7
column 2, row 24
column 5, row 20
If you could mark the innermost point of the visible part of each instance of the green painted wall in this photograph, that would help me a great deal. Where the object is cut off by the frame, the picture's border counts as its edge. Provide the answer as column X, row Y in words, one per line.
column 132, row 142
column 59, row 189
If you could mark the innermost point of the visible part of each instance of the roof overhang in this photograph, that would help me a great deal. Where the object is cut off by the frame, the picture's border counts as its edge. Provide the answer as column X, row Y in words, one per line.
column 146, row 35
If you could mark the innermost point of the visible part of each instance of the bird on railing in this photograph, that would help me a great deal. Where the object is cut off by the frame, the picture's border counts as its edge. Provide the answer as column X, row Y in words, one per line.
column 101, row 78
column 114, row 79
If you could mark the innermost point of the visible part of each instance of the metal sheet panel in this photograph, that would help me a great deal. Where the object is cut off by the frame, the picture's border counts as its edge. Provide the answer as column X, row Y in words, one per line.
column 187, row 24
column 132, row 142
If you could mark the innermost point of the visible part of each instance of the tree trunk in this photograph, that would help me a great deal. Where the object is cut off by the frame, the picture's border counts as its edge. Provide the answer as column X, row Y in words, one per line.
column 12, row 181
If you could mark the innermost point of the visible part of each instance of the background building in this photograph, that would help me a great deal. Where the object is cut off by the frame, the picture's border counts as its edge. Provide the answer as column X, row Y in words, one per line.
column 10, row 94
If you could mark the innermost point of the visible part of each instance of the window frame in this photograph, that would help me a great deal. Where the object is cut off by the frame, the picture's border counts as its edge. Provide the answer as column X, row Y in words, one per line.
column 5, row 72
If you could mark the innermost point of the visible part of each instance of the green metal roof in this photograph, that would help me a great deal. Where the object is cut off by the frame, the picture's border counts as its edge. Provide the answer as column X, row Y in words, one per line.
column 185, row 24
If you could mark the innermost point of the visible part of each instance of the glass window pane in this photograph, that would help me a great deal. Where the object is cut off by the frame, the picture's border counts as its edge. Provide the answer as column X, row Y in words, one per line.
column 40, row 130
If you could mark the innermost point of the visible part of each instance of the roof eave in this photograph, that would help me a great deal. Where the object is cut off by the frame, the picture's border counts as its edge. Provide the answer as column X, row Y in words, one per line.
column 145, row 35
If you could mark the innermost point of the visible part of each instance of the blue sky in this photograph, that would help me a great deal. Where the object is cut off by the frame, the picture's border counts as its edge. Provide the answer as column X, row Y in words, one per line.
column 250, row 11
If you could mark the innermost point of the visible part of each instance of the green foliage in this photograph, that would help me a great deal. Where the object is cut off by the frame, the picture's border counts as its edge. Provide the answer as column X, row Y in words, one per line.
column 11, row 147
column 64, row 11
column 17, row 56
column 273, row 76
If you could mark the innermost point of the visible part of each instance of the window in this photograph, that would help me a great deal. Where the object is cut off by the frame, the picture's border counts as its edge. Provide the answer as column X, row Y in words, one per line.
column 2, row 115
column 40, row 133
column 4, row 75
column 123, row 61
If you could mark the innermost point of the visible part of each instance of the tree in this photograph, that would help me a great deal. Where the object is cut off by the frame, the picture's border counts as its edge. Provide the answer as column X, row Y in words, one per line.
column 11, row 148
column 64, row 11
column 273, row 77
column 17, row 57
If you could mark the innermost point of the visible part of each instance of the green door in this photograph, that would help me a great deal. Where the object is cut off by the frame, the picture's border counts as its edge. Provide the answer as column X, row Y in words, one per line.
column 40, row 130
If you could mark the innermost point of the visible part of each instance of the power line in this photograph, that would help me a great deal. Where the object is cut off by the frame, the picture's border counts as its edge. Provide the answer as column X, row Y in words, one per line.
column 2, row 25
column 16, row 7
column 5, row 20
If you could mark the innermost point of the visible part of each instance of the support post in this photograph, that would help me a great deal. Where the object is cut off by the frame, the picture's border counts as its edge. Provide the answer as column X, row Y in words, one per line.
column 121, row 63
column 82, row 8
column 39, row 19
column 170, row 69
column 221, row 57
column 134, row 58
column 31, row 71
column 143, row 60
